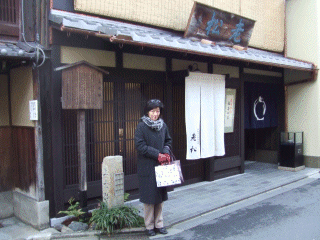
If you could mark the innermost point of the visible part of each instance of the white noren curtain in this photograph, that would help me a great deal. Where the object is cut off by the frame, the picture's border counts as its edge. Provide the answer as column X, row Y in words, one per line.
column 204, row 103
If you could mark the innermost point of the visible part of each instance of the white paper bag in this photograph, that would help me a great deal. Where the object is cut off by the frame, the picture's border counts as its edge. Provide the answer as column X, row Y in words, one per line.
column 167, row 175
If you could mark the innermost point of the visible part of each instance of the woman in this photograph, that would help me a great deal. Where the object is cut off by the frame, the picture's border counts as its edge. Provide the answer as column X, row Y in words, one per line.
column 152, row 141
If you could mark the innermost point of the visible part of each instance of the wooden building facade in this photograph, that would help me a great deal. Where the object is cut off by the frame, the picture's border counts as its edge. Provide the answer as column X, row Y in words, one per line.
column 22, row 59
column 140, row 70
column 143, row 62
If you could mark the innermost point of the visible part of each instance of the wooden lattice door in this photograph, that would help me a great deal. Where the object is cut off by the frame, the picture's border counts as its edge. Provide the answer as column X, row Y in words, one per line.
column 110, row 131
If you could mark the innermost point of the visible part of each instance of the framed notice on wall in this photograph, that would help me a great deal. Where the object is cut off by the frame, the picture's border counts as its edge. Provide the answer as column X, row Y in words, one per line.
column 229, row 110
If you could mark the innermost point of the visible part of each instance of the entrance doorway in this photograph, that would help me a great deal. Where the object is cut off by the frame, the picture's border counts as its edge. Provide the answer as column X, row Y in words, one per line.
column 261, row 145
column 264, row 117
column 210, row 168
column 110, row 131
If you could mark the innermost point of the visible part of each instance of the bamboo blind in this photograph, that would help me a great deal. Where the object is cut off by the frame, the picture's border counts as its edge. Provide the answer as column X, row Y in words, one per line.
column 268, row 32
column 173, row 14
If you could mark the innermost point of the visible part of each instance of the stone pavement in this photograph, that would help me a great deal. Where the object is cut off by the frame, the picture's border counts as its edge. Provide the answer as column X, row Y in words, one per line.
column 12, row 228
column 194, row 200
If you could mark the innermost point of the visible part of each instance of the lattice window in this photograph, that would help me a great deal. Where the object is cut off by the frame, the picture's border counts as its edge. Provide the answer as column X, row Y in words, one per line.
column 9, row 17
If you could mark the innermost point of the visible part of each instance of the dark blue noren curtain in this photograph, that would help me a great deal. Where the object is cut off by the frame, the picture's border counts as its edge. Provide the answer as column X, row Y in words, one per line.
column 261, row 100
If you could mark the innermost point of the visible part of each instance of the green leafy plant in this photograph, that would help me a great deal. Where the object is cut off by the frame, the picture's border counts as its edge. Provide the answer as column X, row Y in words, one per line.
column 126, row 196
column 73, row 209
column 110, row 219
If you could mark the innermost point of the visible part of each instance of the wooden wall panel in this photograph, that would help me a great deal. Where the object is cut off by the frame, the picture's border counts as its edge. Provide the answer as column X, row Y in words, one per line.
column 6, row 169
column 17, row 158
column 23, row 157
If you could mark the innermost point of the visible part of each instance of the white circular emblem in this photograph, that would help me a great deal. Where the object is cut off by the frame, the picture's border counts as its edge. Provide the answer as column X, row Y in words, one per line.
column 256, row 102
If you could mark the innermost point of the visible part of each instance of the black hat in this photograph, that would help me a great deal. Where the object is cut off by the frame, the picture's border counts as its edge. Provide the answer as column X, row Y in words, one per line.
column 151, row 104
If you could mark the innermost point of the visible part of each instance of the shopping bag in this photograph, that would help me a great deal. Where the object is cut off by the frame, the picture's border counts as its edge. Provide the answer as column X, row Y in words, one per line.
column 167, row 175
column 177, row 163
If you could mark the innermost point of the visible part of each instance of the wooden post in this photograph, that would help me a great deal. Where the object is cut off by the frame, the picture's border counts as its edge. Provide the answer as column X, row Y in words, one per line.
column 40, row 191
column 81, row 126
column 82, row 85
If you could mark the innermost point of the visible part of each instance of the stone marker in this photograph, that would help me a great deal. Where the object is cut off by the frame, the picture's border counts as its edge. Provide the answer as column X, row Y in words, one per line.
column 113, row 181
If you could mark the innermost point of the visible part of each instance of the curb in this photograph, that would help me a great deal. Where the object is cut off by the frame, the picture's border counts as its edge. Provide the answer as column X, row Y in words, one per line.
column 89, row 233
column 95, row 234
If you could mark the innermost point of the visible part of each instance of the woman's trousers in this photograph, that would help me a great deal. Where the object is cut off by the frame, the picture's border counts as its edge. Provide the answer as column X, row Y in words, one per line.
column 153, row 216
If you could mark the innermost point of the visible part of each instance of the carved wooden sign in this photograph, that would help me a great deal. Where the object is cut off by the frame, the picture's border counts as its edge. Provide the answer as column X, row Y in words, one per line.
column 218, row 26
column 82, row 86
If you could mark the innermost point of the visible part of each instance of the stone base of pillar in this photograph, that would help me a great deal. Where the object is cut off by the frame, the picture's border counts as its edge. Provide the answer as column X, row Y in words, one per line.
column 31, row 211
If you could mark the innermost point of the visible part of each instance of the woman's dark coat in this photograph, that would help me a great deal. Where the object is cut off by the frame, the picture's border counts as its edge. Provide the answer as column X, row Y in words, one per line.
column 149, row 143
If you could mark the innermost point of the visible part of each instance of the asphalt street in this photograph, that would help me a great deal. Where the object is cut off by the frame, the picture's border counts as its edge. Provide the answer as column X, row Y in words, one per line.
column 291, row 212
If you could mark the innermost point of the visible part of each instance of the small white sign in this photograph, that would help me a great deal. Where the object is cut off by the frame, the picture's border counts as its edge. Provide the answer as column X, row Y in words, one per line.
column 229, row 110
column 33, row 109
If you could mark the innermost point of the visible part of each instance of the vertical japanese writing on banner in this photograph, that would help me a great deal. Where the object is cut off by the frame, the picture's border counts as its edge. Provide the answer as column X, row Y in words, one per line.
column 194, row 142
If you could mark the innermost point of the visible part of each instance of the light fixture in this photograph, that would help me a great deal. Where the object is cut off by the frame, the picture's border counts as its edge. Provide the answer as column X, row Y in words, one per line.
column 4, row 51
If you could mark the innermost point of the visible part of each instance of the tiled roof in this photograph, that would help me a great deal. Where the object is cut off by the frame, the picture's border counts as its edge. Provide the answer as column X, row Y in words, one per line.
column 15, row 50
column 147, row 36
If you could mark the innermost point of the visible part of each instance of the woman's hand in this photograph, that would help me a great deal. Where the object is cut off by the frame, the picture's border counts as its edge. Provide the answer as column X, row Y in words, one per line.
column 163, row 158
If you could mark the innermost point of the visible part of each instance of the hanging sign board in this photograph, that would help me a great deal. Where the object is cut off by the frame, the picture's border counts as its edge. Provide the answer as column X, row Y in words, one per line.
column 218, row 26
column 82, row 86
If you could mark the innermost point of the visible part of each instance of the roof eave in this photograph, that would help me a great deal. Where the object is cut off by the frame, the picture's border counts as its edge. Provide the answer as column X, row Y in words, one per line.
column 133, row 34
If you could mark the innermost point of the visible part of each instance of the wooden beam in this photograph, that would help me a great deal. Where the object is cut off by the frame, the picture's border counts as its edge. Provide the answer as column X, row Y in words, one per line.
column 54, row 123
column 242, row 125
column 81, row 124
column 40, row 191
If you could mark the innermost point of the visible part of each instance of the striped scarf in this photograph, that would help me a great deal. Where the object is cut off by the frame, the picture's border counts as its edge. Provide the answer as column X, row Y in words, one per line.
column 156, row 125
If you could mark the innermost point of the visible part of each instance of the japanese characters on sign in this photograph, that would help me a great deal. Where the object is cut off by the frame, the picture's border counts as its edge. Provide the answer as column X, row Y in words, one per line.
column 219, row 26
column 193, row 138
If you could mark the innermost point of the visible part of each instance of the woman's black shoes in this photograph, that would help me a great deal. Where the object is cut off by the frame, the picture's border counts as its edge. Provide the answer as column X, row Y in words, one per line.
column 162, row 230
column 150, row 232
